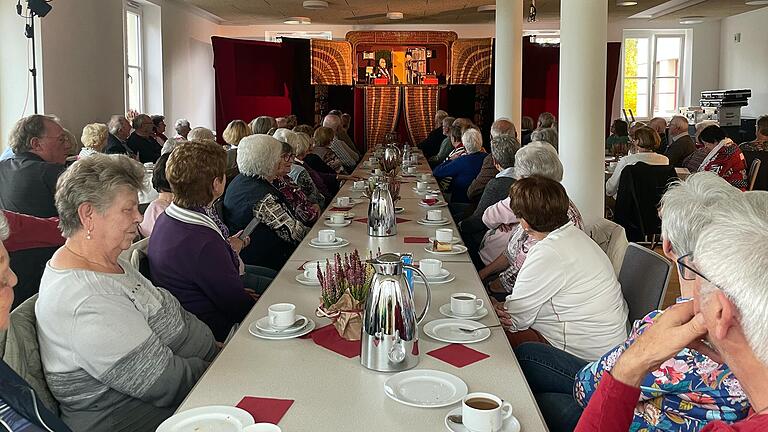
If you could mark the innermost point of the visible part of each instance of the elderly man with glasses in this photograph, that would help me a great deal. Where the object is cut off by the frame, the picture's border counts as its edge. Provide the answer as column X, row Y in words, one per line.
column 28, row 179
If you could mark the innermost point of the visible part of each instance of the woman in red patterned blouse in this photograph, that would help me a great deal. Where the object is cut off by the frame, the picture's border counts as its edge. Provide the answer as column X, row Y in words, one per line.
column 724, row 157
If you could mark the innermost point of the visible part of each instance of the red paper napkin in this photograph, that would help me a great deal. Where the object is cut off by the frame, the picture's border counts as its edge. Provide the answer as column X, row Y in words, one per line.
column 341, row 208
column 416, row 240
column 429, row 202
column 458, row 355
column 265, row 410
column 328, row 338
column 399, row 220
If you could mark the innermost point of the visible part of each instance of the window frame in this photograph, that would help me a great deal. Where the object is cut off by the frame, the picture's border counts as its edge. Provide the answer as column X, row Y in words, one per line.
column 135, row 9
column 653, row 36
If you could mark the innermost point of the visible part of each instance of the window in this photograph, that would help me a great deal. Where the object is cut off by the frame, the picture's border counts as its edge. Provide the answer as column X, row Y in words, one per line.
column 134, row 74
column 652, row 67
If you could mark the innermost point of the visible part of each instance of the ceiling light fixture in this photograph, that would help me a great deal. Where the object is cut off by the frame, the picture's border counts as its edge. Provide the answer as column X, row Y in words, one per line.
column 395, row 15
column 487, row 8
column 626, row 3
column 757, row 3
column 692, row 20
column 315, row 4
column 297, row 20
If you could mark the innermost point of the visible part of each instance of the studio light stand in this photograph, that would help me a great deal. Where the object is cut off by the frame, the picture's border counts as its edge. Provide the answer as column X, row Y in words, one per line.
column 35, row 8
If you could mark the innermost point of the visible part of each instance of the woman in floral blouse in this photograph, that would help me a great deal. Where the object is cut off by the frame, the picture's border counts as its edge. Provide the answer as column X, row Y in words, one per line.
column 724, row 157
column 305, row 210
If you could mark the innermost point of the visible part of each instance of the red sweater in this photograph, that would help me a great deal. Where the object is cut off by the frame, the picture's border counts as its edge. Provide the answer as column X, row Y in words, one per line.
column 611, row 408
column 29, row 232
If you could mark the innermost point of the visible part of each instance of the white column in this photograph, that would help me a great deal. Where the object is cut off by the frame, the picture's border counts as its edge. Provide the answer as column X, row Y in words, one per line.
column 508, row 61
column 583, row 39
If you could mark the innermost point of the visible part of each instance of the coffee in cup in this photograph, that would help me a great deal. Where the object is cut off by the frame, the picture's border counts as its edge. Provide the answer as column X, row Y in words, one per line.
column 282, row 315
column 482, row 412
column 465, row 304
column 430, row 267
column 326, row 236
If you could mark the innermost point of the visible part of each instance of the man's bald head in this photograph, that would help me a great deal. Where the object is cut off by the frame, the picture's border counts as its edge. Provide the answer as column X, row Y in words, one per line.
column 503, row 126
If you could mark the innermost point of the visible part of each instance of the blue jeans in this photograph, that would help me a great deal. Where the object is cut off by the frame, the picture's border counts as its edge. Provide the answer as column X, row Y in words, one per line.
column 551, row 375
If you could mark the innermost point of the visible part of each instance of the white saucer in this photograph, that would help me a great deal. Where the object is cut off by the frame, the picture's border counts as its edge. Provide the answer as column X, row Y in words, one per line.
column 254, row 330
column 511, row 424
column 438, row 277
column 446, row 310
column 426, row 222
column 435, row 205
column 354, row 189
column 335, row 245
column 425, row 191
column 300, row 278
column 455, row 250
column 447, row 330
column 450, row 278
column 347, row 214
column 263, row 325
column 455, row 240
column 223, row 418
column 425, row 388
column 346, row 222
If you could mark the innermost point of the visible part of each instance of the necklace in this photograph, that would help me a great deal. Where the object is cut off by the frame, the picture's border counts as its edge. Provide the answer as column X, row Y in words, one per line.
column 108, row 267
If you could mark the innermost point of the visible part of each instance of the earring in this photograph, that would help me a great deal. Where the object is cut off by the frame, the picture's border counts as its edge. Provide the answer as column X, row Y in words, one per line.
column 88, row 235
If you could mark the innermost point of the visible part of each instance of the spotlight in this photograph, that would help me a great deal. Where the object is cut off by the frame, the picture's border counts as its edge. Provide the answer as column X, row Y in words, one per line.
column 297, row 20
column 692, row 20
column 39, row 7
column 315, row 4
column 626, row 3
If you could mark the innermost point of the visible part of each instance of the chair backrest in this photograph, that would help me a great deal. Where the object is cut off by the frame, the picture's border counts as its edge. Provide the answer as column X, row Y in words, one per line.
column 754, row 169
column 29, row 265
column 644, row 278
column 641, row 187
column 612, row 239
column 21, row 351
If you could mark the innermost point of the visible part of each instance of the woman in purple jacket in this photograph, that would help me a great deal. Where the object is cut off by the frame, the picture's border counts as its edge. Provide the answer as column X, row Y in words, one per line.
column 191, row 253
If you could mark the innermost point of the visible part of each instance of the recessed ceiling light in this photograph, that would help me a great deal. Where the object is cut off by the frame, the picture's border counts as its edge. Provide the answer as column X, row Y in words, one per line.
column 487, row 8
column 395, row 15
column 692, row 20
column 757, row 3
column 626, row 3
column 297, row 20
column 315, row 4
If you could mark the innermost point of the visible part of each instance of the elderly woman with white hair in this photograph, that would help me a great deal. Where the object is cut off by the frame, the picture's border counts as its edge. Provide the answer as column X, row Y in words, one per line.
column 252, row 195
column 726, row 321
column 119, row 354
column 547, row 135
column 506, row 244
column 94, row 138
column 201, row 133
column 684, row 388
column 182, row 128
column 307, row 211
column 463, row 169
column 262, row 125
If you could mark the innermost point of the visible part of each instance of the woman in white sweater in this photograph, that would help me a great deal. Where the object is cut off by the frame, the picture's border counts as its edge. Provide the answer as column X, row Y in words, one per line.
column 645, row 143
column 566, row 291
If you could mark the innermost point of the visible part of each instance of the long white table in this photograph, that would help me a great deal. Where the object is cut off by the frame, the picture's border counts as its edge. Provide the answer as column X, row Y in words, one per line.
column 335, row 393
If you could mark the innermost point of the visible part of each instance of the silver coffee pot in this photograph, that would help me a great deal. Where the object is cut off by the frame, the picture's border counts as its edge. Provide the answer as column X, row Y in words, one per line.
column 390, row 336
column 382, row 221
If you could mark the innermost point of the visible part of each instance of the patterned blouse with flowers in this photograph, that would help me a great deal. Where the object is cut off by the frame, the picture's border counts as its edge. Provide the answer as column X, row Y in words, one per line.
column 684, row 394
column 729, row 163
column 305, row 210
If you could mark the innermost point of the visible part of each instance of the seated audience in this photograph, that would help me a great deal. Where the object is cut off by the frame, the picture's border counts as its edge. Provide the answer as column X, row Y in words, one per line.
column 761, row 136
column 618, row 142
column 190, row 251
column 506, row 244
column 235, row 131
column 142, row 141
column 94, row 139
column 724, row 157
column 546, row 120
column 489, row 171
column 163, row 200
column 680, row 143
column 158, row 132
column 526, row 127
column 303, row 176
column 201, row 133
column 305, row 128
column 31, row 232
column 28, row 179
column 291, row 121
column 119, row 354
column 645, row 142
column 566, row 293
column 346, row 154
column 346, row 122
column 685, row 393
column 431, row 144
column 725, row 321
column 18, row 411
column 463, row 169
column 322, row 163
column 73, row 146
column 282, row 122
column 262, row 124
column 446, row 145
column 322, row 149
column 306, row 211
column 547, row 135
column 117, row 141
column 182, row 128
column 694, row 160
column 659, row 124
column 252, row 194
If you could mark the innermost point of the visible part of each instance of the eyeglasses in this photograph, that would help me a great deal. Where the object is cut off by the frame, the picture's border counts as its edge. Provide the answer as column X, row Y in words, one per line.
column 687, row 272
column 288, row 157
column 61, row 138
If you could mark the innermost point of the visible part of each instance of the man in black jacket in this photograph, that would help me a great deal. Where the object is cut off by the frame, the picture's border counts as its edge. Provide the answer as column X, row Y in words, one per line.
column 431, row 145
column 141, row 140
column 119, row 130
column 680, row 143
column 20, row 408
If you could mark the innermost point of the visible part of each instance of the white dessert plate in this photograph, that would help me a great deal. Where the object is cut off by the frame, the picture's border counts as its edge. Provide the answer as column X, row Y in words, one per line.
column 425, row 388
column 447, row 330
column 455, row 250
column 218, row 418
column 446, row 310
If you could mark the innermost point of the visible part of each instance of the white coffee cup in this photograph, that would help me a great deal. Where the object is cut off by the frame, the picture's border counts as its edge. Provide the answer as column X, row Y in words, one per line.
column 465, row 304
column 282, row 315
column 434, row 215
column 412, row 170
column 430, row 196
column 359, row 185
column 425, row 177
column 337, row 218
column 430, row 267
column 342, row 201
column 262, row 427
column 482, row 412
column 326, row 236
column 444, row 235
column 310, row 269
column 421, row 186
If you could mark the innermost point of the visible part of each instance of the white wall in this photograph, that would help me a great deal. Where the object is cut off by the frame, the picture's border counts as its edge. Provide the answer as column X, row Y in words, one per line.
column 745, row 64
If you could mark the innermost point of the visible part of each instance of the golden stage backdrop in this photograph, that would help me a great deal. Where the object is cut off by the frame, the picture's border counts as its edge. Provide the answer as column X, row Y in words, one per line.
column 382, row 107
column 471, row 61
column 420, row 108
column 331, row 62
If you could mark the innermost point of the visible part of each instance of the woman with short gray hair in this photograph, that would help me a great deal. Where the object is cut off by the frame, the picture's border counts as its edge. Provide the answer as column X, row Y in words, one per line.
column 252, row 195
column 506, row 244
column 262, row 124
column 462, row 169
column 119, row 354
column 182, row 128
column 547, row 135
column 300, row 174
